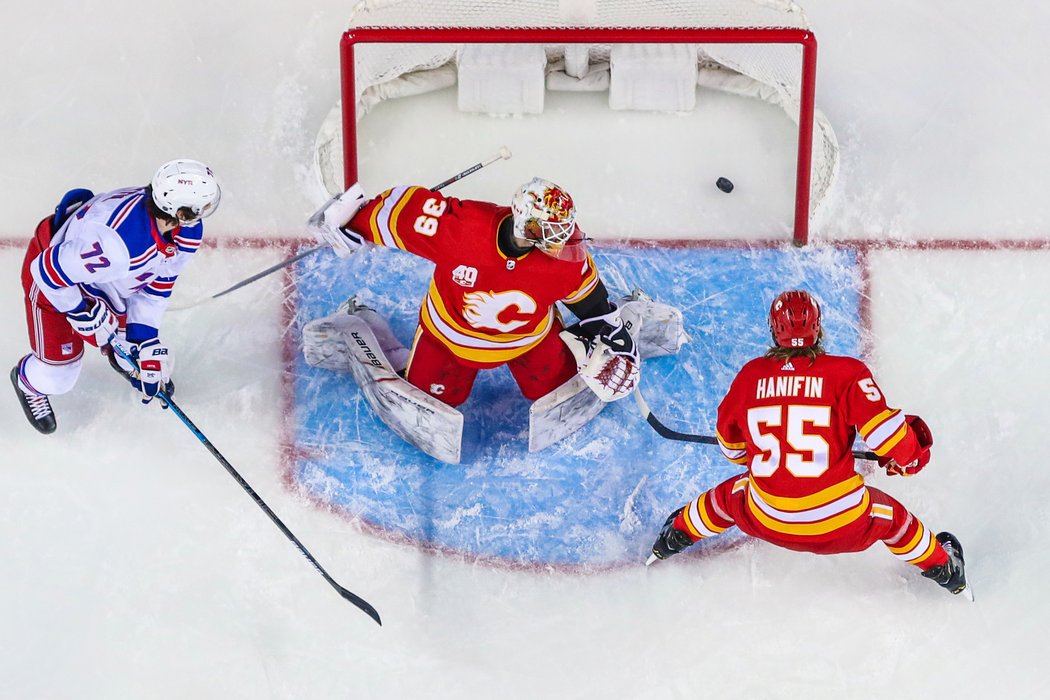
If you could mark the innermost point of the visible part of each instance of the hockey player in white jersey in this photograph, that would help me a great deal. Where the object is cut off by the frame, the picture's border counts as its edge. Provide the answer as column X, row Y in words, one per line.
column 100, row 271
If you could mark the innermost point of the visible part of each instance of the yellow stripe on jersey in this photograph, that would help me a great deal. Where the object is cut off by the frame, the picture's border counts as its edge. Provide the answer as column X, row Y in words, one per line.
column 919, row 548
column 892, row 442
column 588, row 284
column 818, row 528
column 373, row 221
column 697, row 518
column 734, row 452
column 880, row 511
column 884, row 431
column 396, row 215
column 930, row 549
column 730, row 445
column 706, row 517
column 875, row 422
column 920, row 532
column 820, row 498
column 688, row 518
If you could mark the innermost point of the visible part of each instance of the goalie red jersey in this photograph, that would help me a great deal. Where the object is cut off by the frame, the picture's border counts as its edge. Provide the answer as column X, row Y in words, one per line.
column 486, row 308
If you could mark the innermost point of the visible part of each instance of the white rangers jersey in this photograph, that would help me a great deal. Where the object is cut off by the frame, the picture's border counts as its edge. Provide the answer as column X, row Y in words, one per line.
column 110, row 249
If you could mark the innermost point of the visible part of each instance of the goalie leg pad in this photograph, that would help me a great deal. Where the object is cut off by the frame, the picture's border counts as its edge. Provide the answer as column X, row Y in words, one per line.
column 561, row 413
column 658, row 328
column 347, row 342
column 324, row 338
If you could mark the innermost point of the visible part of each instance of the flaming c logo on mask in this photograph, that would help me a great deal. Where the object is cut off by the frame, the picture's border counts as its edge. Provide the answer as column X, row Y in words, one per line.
column 558, row 202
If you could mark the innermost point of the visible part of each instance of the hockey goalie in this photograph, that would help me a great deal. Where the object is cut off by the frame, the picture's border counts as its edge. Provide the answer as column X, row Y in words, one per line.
column 499, row 274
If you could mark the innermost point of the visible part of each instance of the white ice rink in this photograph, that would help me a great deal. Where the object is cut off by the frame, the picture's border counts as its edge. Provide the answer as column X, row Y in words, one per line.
column 132, row 566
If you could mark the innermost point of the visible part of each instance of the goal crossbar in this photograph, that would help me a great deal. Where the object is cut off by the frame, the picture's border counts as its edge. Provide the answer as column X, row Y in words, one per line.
column 595, row 35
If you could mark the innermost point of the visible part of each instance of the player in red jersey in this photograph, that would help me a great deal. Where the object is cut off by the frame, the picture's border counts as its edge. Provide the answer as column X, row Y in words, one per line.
column 791, row 417
column 498, row 273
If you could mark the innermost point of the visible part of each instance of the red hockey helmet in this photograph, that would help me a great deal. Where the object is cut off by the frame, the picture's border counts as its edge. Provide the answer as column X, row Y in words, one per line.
column 794, row 319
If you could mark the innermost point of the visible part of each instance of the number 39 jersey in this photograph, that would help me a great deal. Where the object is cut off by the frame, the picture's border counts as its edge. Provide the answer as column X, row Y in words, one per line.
column 110, row 248
column 793, row 423
column 484, row 307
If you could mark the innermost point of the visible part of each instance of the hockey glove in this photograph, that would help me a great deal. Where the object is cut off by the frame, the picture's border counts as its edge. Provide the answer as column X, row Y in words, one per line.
column 327, row 222
column 606, row 355
column 924, row 437
column 153, row 366
column 671, row 540
column 94, row 321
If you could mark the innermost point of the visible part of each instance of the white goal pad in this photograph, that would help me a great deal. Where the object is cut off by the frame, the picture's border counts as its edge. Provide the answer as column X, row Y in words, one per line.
column 358, row 340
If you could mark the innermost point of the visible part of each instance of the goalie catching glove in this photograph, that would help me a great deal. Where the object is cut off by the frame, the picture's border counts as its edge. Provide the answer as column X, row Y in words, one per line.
column 327, row 222
column 150, row 371
column 924, row 437
column 606, row 355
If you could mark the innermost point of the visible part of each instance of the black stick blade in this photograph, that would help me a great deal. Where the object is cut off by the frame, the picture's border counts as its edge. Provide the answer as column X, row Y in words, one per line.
column 360, row 602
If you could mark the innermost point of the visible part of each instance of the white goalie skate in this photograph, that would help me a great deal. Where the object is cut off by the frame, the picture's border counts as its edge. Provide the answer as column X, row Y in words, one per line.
column 358, row 340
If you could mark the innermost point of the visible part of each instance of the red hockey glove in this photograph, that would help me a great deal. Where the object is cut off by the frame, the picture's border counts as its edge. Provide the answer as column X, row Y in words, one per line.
column 925, row 439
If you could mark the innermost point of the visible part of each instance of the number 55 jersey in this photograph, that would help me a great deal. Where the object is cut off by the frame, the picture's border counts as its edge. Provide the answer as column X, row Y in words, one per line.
column 793, row 423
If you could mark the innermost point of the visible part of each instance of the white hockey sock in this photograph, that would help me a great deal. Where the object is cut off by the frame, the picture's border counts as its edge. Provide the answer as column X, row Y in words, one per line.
column 48, row 379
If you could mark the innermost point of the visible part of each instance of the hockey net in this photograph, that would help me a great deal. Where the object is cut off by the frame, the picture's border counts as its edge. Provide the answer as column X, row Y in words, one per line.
column 757, row 48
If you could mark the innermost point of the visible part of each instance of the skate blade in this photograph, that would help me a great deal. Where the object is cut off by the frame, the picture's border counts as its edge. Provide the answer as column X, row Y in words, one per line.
column 967, row 593
column 651, row 559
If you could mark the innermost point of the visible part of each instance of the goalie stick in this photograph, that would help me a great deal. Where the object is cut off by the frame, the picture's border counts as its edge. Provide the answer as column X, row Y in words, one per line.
column 666, row 432
column 503, row 154
column 360, row 602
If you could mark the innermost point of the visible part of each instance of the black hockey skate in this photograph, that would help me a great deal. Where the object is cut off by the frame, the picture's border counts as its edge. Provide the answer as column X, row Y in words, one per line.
column 671, row 540
column 952, row 574
column 37, row 407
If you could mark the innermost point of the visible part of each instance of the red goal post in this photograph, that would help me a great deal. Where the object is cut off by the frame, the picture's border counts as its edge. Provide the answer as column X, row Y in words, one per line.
column 792, row 88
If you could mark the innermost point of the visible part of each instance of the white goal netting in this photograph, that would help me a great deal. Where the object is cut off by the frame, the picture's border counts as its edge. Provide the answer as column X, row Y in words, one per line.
column 759, row 68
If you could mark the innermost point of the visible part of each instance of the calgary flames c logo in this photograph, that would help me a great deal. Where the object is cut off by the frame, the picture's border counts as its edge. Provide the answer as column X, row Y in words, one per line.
column 483, row 309
column 557, row 201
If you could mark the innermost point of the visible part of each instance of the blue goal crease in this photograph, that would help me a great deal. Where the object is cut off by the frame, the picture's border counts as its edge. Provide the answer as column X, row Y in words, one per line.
column 597, row 498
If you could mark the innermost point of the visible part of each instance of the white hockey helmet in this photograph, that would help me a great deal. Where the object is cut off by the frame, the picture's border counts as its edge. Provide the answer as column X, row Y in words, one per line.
column 545, row 217
column 186, row 185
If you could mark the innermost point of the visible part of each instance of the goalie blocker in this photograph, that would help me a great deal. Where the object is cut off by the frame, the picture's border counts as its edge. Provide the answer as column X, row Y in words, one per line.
column 358, row 340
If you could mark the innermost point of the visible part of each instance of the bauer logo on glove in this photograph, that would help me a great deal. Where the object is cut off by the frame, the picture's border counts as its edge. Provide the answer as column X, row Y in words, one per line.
column 147, row 365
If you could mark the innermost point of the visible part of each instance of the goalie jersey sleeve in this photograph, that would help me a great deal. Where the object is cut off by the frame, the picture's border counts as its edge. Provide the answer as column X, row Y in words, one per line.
column 793, row 424
column 484, row 307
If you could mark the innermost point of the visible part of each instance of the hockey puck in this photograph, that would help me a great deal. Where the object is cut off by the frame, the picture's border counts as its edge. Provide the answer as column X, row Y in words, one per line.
column 724, row 184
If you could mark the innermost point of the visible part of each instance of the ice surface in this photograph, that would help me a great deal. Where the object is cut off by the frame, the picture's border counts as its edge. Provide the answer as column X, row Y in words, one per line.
column 135, row 567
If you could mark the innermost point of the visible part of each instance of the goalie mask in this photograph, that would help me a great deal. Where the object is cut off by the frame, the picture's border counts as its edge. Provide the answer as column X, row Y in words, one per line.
column 185, row 190
column 545, row 218
column 794, row 320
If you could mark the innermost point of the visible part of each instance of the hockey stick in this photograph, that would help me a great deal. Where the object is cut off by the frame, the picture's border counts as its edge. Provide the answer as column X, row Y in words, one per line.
column 502, row 154
column 169, row 403
column 666, row 432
